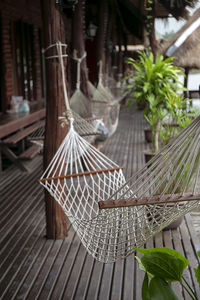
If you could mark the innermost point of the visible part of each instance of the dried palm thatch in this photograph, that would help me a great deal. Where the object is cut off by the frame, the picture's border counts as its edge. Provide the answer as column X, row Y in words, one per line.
column 187, row 53
column 177, row 7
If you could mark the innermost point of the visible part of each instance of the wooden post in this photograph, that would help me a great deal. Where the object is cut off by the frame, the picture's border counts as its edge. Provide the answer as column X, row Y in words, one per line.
column 78, row 44
column 53, row 24
column 186, row 93
column 150, row 24
column 101, row 31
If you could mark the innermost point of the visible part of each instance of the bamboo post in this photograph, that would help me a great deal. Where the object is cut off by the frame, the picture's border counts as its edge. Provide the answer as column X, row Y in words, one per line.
column 53, row 24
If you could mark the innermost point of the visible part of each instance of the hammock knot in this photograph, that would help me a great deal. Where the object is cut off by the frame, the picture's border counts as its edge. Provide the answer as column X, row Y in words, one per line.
column 67, row 118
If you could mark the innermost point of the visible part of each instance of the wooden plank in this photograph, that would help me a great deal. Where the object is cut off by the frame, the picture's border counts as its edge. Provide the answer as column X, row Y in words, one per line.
column 117, row 283
column 37, row 283
column 167, row 242
column 6, row 239
column 12, row 126
column 13, row 277
column 31, row 152
column 179, row 246
column 81, row 289
column 95, row 281
column 189, row 253
column 129, row 274
column 75, row 276
column 12, row 140
column 10, row 154
column 10, row 213
column 67, row 268
column 52, row 278
column 106, row 282
column 27, row 283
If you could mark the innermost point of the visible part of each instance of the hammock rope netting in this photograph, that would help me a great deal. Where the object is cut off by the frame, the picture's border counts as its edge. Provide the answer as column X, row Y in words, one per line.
column 112, row 216
column 87, row 127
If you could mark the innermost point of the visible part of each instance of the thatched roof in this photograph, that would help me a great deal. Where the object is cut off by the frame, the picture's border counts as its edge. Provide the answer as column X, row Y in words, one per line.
column 163, row 8
column 177, row 7
column 185, row 44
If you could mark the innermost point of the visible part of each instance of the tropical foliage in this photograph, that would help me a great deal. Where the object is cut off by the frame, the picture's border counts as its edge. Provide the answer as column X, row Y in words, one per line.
column 155, row 86
column 163, row 266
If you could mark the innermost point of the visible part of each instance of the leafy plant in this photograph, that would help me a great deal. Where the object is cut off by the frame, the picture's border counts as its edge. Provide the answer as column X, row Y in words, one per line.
column 162, row 266
column 178, row 119
column 154, row 83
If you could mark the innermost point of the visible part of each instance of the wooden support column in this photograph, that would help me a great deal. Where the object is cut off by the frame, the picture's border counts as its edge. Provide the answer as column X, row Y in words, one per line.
column 186, row 93
column 150, row 25
column 101, row 31
column 53, row 24
column 78, row 44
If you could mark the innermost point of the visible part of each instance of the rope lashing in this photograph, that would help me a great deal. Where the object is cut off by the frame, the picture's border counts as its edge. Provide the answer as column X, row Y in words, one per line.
column 59, row 46
column 79, row 61
column 100, row 64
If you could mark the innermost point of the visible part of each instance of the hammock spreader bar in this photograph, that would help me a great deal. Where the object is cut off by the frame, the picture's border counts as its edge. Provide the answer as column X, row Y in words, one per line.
column 148, row 200
column 80, row 174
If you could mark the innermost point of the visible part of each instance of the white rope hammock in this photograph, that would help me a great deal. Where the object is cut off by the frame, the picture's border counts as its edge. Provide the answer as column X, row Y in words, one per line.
column 79, row 102
column 79, row 173
column 103, row 101
column 112, row 216
column 167, row 188
column 87, row 128
column 116, row 88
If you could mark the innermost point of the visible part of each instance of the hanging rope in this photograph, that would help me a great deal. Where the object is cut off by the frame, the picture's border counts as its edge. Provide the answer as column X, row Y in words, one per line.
column 79, row 61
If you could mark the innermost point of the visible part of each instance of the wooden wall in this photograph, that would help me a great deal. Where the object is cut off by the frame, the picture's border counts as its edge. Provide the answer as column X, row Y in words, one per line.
column 27, row 11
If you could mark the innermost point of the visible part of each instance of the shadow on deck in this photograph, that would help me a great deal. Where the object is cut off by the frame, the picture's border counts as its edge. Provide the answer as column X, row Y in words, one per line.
column 32, row 267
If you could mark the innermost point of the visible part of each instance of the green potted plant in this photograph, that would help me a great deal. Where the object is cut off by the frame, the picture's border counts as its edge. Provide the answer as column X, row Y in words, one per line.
column 154, row 83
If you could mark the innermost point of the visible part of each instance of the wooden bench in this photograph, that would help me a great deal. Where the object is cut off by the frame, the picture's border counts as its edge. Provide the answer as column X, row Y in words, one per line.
column 16, row 132
column 23, row 133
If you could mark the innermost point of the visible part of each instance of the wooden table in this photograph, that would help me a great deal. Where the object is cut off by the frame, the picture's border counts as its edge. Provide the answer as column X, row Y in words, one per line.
column 10, row 123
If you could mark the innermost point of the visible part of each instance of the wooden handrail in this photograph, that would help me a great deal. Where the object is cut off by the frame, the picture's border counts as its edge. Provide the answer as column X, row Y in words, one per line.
column 80, row 174
column 148, row 200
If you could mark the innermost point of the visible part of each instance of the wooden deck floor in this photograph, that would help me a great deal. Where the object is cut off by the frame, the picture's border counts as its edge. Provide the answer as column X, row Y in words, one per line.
column 32, row 267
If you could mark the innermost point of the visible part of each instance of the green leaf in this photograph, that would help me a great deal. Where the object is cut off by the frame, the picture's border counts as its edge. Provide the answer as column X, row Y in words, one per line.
column 142, row 267
column 163, row 265
column 159, row 289
column 198, row 253
column 167, row 251
column 197, row 274
column 145, row 291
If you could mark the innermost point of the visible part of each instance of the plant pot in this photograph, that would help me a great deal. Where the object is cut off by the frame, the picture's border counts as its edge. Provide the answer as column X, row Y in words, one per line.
column 141, row 106
column 148, row 156
column 174, row 224
column 148, row 135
